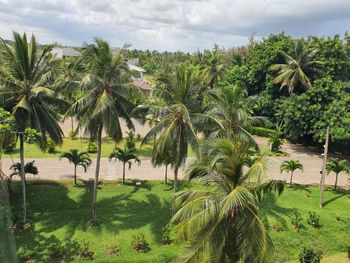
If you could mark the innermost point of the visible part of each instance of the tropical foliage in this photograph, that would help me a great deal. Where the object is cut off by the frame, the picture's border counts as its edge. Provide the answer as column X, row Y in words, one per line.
column 337, row 166
column 290, row 166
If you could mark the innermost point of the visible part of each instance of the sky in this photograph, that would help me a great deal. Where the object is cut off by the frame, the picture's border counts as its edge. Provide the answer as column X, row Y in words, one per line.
column 172, row 25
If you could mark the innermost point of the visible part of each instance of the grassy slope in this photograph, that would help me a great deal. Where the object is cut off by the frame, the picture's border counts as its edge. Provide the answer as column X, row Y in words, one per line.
column 33, row 150
column 62, row 213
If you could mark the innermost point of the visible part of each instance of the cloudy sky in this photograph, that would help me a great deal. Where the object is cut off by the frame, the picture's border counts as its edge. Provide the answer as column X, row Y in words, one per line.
column 171, row 24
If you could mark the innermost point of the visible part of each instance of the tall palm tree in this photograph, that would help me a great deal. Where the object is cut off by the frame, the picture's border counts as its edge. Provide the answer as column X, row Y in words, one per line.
column 337, row 166
column 23, row 77
column 77, row 158
column 232, row 108
column 212, row 68
column 291, row 166
column 125, row 156
column 176, row 126
column 298, row 64
column 103, row 103
column 221, row 222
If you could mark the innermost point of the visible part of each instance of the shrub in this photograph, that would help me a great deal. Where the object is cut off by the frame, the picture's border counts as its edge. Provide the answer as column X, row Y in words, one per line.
column 138, row 137
column 139, row 243
column 277, row 226
column 72, row 134
column 25, row 254
column 275, row 143
column 9, row 143
column 112, row 248
column 314, row 220
column 348, row 250
column 83, row 252
column 91, row 147
column 309, row 255
column 165, row 240
column 296, row 220
column 57, row 251
column 263, row 132
column 50, row 146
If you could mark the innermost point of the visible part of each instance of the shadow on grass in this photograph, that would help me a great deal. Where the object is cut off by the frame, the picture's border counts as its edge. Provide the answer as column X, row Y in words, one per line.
column 271, row 211
column 55, row 207
column 300, row 187
column 340, row 193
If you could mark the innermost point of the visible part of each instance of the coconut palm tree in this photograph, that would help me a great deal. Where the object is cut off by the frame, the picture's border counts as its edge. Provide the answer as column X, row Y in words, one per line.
column 212, row 68
column 221, row 222
column 29, row 168
column 176, row 129
column 166, row 159
column 337, row 166
column 232, row 108
column 298, row 64
column 103, row 103
column 23, row 76
column 291, row 166
column 125, row 156
column 77, row 158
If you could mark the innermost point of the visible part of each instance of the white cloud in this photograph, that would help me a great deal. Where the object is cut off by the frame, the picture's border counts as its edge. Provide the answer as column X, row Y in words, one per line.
column 171, row 24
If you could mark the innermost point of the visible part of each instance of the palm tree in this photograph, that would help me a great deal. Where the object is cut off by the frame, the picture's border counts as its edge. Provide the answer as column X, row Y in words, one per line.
column 221, row 222
column 212, row 68
column 77, row 158
column 29, row 168
column 298, row 64
column 231, row 107
column 103, row 102
column 23, row 78
column 166, row 159
column 291, row 166
column 175, row 129
column 125, row 156
column 337, row 166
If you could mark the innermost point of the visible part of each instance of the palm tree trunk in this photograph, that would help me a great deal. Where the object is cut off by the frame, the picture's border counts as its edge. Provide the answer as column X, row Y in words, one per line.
column 23, row 179
column 291, row 178
column 123, row 173
column 72, row 123
column 97, row 172
column 336, row 181
column 175, row 177
column 166, row 174
column 75, row 174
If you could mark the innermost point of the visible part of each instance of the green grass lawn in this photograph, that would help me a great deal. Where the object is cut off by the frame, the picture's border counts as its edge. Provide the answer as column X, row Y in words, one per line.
column 108, row 145
column 62, row 211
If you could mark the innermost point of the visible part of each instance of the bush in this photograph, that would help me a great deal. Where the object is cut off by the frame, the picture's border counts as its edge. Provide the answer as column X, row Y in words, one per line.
column 309, row 255
column 91, row 147
column 314, row 220
column 165, row 240
column 277, row 226
column 296, row 220
column 83, row 252
column 50, row 146
column 263, row 132
column 348, row 250
column 138, row 137
column 139, row 243
column 275, row 143
column 72, row 135
column 25, row 254
column 57, row 251
column 112, row 248
column 9, row 143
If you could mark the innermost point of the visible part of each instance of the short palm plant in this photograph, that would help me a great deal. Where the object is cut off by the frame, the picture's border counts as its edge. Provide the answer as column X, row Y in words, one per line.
column 337, row 166
column 290, row 166
column 77, row 159
column 29, row 168
column 125, row 155
column 221, row 221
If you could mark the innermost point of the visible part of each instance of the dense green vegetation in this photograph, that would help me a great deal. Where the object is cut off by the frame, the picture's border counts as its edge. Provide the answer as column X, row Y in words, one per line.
column 127, row 210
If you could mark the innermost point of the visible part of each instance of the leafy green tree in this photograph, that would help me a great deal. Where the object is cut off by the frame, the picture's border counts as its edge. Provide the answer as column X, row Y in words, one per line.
column 125, row 156
column 176, row 128
column 301, row 61
column 103, row 103
column 221, row 222
column 23, row 72
column 77, row 159
column 337, row 166
column 290, row 166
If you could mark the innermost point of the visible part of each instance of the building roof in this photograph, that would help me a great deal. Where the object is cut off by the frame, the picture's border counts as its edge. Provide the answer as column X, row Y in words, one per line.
column 142, row 84
column 136, row 68
column 65, row 52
